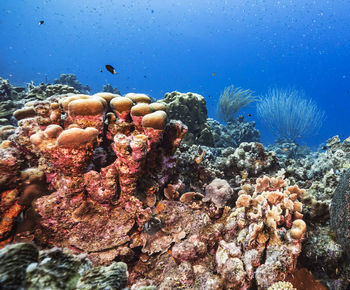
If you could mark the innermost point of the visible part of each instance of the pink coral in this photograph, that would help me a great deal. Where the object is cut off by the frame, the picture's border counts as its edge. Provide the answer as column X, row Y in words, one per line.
column 92, row 204
column 265, row 223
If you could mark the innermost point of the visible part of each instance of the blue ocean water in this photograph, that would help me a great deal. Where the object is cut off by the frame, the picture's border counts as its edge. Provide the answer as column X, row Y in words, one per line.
column 194, row 45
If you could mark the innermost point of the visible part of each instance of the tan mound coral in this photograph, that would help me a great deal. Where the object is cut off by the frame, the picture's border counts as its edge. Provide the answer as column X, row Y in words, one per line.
column 121, row 106
column 76, row 137
column 158, row 107
column 85, row 111
column 24, row 113
column 298, row 229
column 85, row 107
column 105, row 95
column 155, row 120
column 138, row 98
column 138, row 111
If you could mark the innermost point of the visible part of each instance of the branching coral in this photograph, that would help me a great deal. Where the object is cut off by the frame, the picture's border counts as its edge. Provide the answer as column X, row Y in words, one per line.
column 232, row 100
column 289, row 115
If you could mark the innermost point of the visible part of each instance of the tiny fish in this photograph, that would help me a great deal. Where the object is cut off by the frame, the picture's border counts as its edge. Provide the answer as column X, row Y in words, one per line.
column 170, row 253
column 111, row 69
column 101, row 70
column 160, row 206
column 285, row 149
column 153, row 225
column 249, row 115
column 145, row 76
column 209, row 97
column 199, row 158
column 152, row 11
column 213, row 74
column 244, row 174
column 324, row 148
column 41, row 22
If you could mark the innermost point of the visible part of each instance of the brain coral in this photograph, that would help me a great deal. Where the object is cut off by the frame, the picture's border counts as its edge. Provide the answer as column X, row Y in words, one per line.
column 191, row 109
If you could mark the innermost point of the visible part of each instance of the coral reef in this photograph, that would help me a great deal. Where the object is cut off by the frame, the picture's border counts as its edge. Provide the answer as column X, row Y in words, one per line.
column 281, row 286
column 320, row 173
column 10, row 99
column 218, row 192
column 325, row 257
column 64, row 135
column 23, row 266
column 109, row 89
column 285, row 150
column 13, row 98
column 106, row 177
column 340, row 212
column 232, row 100
column 197, row 165
column 190, row 108
column 44, row 91
column 234, row 132
column 258, row 241
column 266, row 222
column 288, row 114
column 71, row 81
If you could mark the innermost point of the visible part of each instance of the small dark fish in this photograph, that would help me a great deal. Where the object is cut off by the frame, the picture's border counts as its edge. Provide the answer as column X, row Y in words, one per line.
column 249, row 115
column 111, row 69
column 41, row 22
column 145, row 76
column 101, row 70
column 153, row 225
column 152, row 11
column 324, row 148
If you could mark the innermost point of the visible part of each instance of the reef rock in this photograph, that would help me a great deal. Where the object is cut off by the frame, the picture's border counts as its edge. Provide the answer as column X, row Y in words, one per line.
column 234, row 132
column 23, row 266
column 71, row 81
column 44, row 91
column 340, row 212
column 190, row 108
column 11, row 98
column 14, row 260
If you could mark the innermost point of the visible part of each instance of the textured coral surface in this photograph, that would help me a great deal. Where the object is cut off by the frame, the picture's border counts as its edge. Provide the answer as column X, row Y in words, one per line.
column 106, row 177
